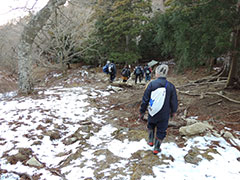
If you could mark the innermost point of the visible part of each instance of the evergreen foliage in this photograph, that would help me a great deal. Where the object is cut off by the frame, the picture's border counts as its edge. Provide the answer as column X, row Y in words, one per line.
column 149, row 46
column 195, row 31
column 119, row 27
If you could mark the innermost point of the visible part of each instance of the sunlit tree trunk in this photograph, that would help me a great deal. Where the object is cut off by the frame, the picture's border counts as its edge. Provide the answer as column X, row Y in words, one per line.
column 30, row 32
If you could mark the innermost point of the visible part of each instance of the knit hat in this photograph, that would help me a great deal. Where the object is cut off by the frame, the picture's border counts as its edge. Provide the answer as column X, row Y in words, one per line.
column 162, row 70
column 108, row 62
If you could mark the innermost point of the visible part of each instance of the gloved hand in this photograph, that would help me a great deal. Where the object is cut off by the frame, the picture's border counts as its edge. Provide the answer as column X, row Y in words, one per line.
column 141, row 116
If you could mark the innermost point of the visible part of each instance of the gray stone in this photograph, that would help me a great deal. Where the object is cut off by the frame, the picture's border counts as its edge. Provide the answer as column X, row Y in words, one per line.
column 34, row 162
column 195, row 129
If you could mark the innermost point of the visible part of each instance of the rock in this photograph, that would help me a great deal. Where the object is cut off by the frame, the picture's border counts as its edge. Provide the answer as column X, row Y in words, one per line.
column 227, row 134
column 20, row 157
column 192, row 156
column 53, row 134
column 70, row 140
column 37, row 143
column 132, row 135
column 12, row 159
column 116, row 89
column 40, row 136
column 25, row 151
column 194, row 129
column 174, row 124
column 215, row 133
column 34, row 162
column 143, row 165
column 191, row 121
column 127, row 84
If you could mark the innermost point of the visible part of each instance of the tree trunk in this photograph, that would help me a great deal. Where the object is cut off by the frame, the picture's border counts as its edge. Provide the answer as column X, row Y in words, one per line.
column 233, row 73
column 232, row 76
column 225, row 68
column 127, row 43
column 30, row 31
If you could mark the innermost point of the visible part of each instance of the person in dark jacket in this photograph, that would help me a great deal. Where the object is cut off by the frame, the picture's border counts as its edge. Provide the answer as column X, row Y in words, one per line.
column 125, row 73
column 112, row 70
column 147, row 72
column 138, row 71
column 159, row 121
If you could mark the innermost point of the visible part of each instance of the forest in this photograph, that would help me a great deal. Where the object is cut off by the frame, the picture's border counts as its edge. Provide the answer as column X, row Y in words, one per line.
column 193, row 33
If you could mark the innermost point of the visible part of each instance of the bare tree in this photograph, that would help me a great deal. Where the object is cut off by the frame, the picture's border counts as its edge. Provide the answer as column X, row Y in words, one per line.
column 26, row 43
column 9, row 38
column 61, row 39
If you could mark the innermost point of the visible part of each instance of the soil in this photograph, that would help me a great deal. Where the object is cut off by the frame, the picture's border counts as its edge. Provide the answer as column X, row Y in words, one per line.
column 124, row 105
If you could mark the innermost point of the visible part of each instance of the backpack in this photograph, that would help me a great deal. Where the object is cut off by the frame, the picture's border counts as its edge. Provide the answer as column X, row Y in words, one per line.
column 148, row 71
column 105, row 69
column 110, row 68
column 125, row 72
column 157, row 100
column 138, row 70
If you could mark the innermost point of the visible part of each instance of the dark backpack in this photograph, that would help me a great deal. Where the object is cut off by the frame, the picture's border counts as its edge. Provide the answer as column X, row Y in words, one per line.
column 125, row 72
column 138, row 70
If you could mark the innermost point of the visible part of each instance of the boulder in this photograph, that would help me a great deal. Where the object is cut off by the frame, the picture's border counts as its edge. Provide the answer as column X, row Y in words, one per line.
column 195, row 129
column 227, row 134
column 34, row 162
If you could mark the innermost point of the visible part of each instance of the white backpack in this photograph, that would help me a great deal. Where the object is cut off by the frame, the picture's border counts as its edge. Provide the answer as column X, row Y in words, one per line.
column 157, row 100
column 110, row 67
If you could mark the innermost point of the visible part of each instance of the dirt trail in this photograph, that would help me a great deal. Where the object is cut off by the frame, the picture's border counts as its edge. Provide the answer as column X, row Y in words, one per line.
column 124, row 105
column 193, row 101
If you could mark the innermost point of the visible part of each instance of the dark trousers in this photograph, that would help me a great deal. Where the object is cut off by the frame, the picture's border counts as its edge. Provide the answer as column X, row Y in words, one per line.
column 138, row 76
column 161, row 128
column 112, row 77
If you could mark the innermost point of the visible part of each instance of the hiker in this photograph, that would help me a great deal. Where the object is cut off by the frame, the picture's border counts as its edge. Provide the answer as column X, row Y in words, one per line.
column 112, row 70
column 159, row 117
column 105, row 68
column 147, row 73
column 125, row 73
column 138, row 72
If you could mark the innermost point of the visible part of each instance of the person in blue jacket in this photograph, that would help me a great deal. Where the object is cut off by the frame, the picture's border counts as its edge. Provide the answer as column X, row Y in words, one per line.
column 159, row 121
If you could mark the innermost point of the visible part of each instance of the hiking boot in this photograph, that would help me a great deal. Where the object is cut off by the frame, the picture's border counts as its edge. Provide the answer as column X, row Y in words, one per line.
column 157, row 149
column 150, row 137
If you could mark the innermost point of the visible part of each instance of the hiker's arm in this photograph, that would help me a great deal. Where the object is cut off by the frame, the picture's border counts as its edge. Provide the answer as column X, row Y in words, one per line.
column 145, row 99
column 173, row 101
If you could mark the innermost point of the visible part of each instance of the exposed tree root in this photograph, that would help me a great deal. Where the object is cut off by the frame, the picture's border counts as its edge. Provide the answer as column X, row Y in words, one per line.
column 206, row 80
column 234, row 112
column 219, row 94
column 216, row 102
column 210, row 93
column 188, row 93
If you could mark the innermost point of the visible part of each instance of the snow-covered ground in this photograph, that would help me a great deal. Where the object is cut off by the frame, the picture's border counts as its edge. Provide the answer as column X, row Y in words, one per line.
column 27, row 122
